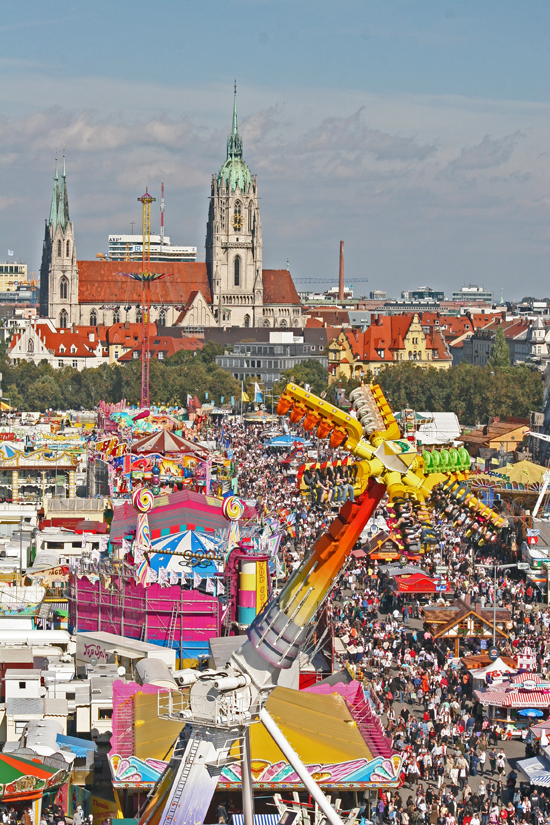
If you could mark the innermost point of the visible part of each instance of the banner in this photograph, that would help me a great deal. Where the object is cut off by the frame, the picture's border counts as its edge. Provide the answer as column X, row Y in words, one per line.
column 196, row 580
column 261, row 585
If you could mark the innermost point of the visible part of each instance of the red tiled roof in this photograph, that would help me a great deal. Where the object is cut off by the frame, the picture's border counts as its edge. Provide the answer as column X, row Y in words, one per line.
column 127, row 336
column 165, row 344
column 100, row 331
column 385, row 335
column 63, row 343
column 100, row 283
column 279, row 287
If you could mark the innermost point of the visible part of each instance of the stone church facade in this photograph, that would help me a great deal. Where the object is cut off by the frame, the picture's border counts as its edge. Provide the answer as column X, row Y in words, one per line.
column 229, row 289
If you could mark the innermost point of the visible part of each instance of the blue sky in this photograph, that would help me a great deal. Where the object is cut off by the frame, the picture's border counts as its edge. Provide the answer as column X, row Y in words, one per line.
column 416, row 131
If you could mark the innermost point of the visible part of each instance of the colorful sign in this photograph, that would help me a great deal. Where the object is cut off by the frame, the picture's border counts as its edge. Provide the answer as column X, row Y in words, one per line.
column 103, row 809
column 262, row 589
column 131, row 772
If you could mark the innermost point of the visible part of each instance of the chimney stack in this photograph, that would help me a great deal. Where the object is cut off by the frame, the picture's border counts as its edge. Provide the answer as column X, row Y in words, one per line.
column 341, row 276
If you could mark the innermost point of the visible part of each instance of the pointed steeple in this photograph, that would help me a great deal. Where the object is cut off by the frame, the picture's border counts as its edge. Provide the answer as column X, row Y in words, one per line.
column 55, row 199
column 63, row 210
column 234, row 142
column 235, row 172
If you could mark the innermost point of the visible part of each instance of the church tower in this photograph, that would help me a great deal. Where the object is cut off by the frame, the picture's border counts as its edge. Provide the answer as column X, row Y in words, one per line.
column 234, row 239
column 58, row 270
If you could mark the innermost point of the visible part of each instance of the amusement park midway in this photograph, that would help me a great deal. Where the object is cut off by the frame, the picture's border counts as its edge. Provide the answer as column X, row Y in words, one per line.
column 316, row 614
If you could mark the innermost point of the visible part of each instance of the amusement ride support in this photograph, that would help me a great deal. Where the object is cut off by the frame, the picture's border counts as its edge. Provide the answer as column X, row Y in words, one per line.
column 218, row 705
column 496, row 567
column 146, row 201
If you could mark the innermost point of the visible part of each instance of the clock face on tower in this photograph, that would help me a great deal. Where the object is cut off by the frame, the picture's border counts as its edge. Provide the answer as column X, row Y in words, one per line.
column 237, row 221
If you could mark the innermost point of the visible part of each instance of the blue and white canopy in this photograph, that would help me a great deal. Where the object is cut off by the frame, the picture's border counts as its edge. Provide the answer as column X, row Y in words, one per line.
column 188, row 552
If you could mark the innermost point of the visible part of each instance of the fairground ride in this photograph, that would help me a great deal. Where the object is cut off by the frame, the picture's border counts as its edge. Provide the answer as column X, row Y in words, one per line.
column 216, row 708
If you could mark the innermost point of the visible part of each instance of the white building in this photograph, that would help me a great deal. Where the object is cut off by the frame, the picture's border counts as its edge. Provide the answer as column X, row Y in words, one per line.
column 130, row 248
column 473, row 293
column 39, row 340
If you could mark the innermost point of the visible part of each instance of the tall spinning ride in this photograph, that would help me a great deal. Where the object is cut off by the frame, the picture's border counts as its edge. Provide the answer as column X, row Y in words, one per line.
column 146, row 277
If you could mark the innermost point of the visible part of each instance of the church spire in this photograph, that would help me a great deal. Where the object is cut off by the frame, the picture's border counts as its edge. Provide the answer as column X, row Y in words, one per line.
column 234, row 142
column 55, row 199
column 235, row 128
column 63, row 211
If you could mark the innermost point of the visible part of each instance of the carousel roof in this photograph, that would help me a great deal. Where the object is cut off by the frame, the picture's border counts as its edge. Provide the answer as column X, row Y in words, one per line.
column 165, row 442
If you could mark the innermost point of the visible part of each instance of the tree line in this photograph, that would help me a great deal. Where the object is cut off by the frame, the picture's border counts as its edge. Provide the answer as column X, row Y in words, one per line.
column 38, row 387
column 474, row 393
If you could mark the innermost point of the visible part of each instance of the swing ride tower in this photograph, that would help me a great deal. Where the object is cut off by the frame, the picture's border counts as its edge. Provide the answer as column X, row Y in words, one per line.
column 146, row 277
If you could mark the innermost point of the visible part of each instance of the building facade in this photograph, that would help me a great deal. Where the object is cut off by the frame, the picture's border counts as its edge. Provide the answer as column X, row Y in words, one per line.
column 388, row 340
column 473, row 293
column 12, row 276
column 265, row 362
column 130, row 248
column 230, row 289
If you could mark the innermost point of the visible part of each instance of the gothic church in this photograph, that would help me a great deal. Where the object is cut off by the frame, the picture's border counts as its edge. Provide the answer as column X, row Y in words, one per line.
column 229, row 289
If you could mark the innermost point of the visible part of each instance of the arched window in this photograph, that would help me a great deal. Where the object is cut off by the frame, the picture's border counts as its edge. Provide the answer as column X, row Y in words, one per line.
column 162, row 318
column 237, row 271
column 116, row 315
column 68, row 249
column 250, row 217
column 93, row 318
column 30, row 346
column 64, row 289
column 63, row 318
column 247, row 320
column 138, row 315
column 59, row 249
column 283, row 323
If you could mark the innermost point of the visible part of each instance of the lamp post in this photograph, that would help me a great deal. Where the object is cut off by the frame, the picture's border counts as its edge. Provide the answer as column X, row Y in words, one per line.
column 496, row 567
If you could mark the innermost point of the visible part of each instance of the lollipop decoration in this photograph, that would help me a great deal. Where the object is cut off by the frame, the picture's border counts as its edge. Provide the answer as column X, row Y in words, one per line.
column 233, row 508
column 143, row 500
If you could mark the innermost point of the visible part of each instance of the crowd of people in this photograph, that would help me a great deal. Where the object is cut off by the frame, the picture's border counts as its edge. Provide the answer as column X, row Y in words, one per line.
column 454, row 768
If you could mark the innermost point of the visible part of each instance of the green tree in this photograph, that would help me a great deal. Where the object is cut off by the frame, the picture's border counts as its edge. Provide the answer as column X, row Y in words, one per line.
column 310, row 372
column 500, row 356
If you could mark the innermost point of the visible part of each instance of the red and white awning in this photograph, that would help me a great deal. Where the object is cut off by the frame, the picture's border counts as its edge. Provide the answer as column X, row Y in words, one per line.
column 526, row 677
column 514, row 698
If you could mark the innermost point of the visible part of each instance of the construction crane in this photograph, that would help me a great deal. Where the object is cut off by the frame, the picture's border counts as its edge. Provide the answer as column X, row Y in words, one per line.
column 329, row 280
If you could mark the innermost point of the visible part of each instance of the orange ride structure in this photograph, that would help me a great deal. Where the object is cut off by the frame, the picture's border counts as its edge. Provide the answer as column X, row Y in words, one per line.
column 217, row 707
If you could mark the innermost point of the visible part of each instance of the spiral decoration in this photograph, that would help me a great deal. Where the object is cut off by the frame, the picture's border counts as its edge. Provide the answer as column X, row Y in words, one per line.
column 143, row 500
column 233, row 508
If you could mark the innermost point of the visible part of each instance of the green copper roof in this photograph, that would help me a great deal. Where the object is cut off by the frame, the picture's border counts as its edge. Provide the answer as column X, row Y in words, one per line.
column 235, row 173
column 63, row 210
column 55, row 199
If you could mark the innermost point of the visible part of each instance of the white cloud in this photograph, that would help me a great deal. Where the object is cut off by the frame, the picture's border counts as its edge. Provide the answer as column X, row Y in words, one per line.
column 407, row 181
column 487, row 154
